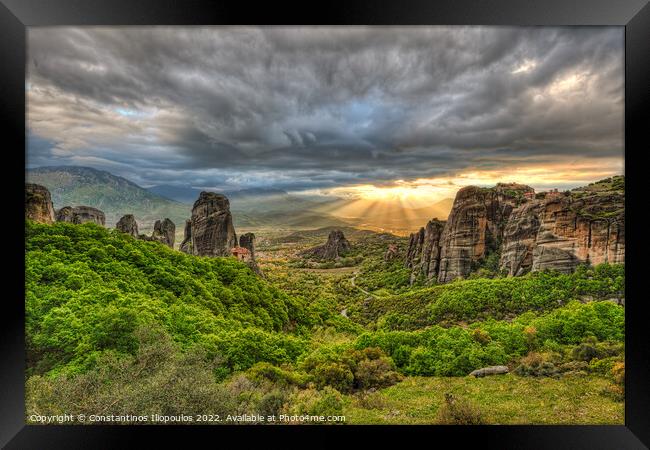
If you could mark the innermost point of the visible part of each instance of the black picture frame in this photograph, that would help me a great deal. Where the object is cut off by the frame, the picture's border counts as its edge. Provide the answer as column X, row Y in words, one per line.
column 634, row 15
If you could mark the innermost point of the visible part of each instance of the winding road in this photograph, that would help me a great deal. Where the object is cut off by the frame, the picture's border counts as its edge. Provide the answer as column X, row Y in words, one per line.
column 360, row 288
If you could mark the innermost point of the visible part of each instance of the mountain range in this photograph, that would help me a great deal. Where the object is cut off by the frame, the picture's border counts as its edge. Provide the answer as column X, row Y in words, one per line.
column 117, row 196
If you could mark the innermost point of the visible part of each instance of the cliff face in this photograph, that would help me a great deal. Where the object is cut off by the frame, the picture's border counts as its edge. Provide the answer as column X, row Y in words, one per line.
column 475, row 227
column 560, row 233
column 423, row 254
column 164, row 231
column 38, row 203
column 247, row 241
column 555, row 231
column 211, row 229
column 186, row 245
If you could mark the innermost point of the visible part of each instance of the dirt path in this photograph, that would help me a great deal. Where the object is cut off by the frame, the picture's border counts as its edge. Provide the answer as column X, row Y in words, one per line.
column 333, row 270
column 360, row 288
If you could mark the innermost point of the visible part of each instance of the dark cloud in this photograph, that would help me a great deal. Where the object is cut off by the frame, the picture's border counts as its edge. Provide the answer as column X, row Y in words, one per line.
column 321, row 106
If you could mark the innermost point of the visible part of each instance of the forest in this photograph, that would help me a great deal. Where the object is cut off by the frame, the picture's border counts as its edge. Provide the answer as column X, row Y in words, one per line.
column 117, row 325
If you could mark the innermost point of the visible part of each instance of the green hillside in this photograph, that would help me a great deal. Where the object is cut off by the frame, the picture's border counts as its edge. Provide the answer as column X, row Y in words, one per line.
column 115, row 324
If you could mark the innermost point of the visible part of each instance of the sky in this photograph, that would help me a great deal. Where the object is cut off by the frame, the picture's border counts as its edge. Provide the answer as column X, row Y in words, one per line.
column 360, row 112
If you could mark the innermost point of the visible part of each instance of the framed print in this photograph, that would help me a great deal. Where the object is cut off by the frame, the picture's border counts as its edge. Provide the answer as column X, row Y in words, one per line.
column 384, row 220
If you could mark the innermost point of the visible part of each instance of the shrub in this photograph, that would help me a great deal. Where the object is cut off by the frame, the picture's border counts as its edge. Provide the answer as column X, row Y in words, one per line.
column 312, row 402
column 480, row 336
column 618, row 373
column 530, row 332
column 574, row 367
column 458, row 411
column 346, row 370
column 376, row 373
column 584, row 352
column 617, row 389
column 534, row 365
column 89, row 288
column 335, row 374
column 159, row 378
column 265, row 371
column 272, row 403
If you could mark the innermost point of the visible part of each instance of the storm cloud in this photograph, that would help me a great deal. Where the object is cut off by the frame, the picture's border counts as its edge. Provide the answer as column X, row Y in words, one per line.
column 319, row 107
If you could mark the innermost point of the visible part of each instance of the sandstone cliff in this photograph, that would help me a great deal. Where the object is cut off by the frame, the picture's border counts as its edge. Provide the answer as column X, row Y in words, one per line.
column 423, row 254
column 164, row 231
column 561, row 232
column 186, row 244
column 521, row 231
column 81, row 214
column 38, row 203
column 211, row 228
column 128, row 225
column 247, row 241
column 336, row 246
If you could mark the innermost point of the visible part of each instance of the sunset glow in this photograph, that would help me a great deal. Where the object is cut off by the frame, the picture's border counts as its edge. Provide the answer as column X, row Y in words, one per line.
column 424, row 191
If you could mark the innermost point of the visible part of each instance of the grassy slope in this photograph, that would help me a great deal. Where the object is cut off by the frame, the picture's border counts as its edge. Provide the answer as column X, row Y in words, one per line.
column 506, row 399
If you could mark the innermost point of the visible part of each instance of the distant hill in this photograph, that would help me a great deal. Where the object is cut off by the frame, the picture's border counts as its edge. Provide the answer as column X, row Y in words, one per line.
column 322, row 233
column 115, row 195
column 181, row 194
column 261, row 207
column 391, row 217
column 438, row 210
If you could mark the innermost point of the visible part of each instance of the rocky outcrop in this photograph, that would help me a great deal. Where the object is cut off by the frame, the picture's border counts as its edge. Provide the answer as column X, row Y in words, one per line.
column 212, row 232
column 81, row 214
column 423, row 255
column 247, row 241
column 38, row 203
column 519, row 239
column 186, row 244
column 164, row 231
column 335, row 247
column 128, row 225
column 492, row 370
column 523, row 231
column 392, row 253
column 563, row 231
column 475, row 227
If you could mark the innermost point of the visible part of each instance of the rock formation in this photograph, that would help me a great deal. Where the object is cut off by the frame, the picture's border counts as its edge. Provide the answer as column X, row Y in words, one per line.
column 423, row 255
column 128, row 225
column 553, row 231
column 392, row 252
column 80, row 214
column 563, row 231
column 186, row 245
column 247, row 241
column 492, row 370
column 38, row 203
column 335, row 247
column 211, row 229
column 475, row 227
column 164, row 231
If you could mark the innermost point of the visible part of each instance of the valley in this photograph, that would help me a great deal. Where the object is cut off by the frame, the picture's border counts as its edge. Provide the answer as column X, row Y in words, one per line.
column 327, row 320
